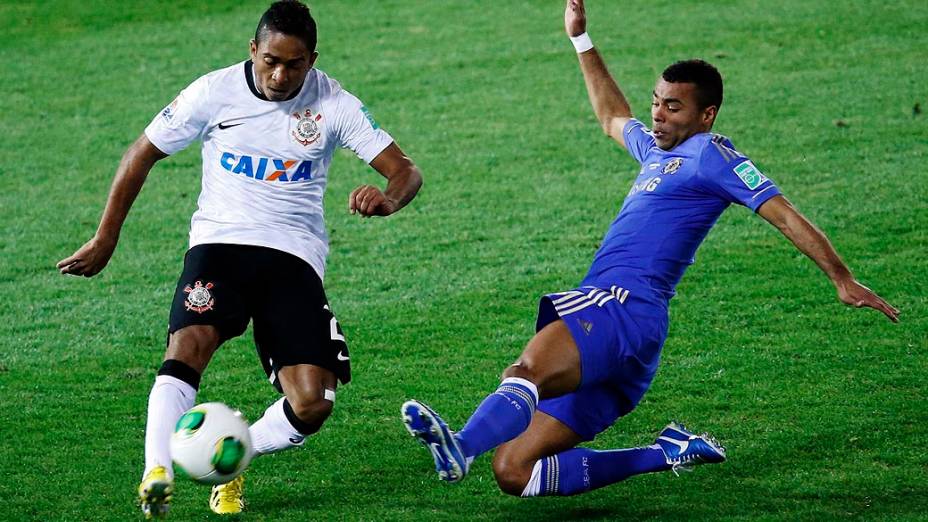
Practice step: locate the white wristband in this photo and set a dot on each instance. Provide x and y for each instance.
(582, 43)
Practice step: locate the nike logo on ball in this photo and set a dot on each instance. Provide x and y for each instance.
(225, 125)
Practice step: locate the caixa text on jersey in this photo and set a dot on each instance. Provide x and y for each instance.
(267, 169)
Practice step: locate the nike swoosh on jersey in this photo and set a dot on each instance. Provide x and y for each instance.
(341, 357)
(225, 125)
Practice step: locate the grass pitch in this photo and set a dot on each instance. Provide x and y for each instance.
(821, 406)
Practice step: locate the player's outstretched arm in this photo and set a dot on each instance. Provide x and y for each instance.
(403, 182)
(608, 102)
(93, 256)
(813, 243)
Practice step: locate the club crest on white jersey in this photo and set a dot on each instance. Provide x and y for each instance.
(304, 128)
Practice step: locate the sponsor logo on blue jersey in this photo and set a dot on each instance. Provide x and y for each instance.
(750, 175)
(267, 169)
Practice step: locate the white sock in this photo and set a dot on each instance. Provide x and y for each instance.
(273, 432)
(533, 487)
(170, 397)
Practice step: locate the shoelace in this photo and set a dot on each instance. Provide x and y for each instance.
(686, 462)
(682, 464)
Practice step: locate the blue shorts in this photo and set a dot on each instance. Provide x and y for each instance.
(619, 334)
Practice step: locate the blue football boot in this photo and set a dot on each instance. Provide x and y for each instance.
(426, 426)
(683, 449)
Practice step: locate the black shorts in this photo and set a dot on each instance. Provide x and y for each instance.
(227, 285)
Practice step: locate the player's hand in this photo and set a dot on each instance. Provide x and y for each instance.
(368, 200)
(89, 259)
(575, 18)
(855, 294)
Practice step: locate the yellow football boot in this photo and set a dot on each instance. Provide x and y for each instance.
(228, 498)
(155, 493)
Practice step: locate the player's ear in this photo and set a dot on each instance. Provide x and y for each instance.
(312, 59)
(253, 47)
(709, 114)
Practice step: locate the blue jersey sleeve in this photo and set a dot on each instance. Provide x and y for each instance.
(733, 176)
(637, 139)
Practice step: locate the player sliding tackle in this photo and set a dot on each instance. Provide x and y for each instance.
(269, 127)
(597, 346)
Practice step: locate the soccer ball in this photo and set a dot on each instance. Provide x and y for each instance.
(211, 443)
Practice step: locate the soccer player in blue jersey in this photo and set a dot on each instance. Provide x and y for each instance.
(596, 348)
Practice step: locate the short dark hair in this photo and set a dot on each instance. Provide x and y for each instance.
(706, 77)
(289, 17)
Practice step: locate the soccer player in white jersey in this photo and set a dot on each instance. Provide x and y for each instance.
(269, 127)
(597, 346)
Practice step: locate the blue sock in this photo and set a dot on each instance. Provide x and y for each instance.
(580, 470)
(501, 417)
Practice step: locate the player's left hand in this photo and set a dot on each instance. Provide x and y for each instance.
(575, 18)
(368, 200)
(855, 294)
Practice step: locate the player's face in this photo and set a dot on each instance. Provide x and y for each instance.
(281, 63)
(675, 114)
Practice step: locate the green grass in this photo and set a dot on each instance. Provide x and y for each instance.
(821, 406)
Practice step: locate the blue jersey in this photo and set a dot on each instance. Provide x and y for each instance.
(677, 197)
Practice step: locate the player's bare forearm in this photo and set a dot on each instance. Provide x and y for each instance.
(92, 257)
(608, 102)
(806, 237)
(403, 183)
(812, 242)
(130, 176)
(403, 187)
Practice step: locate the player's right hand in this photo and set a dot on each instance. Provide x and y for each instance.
(89, 259)
(575, 18)
(368, 200)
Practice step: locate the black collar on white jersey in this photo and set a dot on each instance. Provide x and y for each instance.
(250, 78)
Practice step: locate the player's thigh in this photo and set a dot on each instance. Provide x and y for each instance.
(604, 334)
(209, 304)
(545, 436)
(193, 345)
(294, 326)
(212, 291)
(551, 360)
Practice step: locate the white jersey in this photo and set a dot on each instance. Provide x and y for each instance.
(265, 163)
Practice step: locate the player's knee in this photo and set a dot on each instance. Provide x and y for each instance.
(511, 475)
(524, 368)
(312, 411)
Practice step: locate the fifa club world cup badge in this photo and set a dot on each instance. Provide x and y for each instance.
(305, 130)
(199, 299)
(672, 166)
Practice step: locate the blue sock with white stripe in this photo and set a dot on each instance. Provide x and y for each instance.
(501, 417)
(580, 470)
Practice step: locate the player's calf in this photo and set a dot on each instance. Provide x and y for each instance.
(308, 413)
(281, 428)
